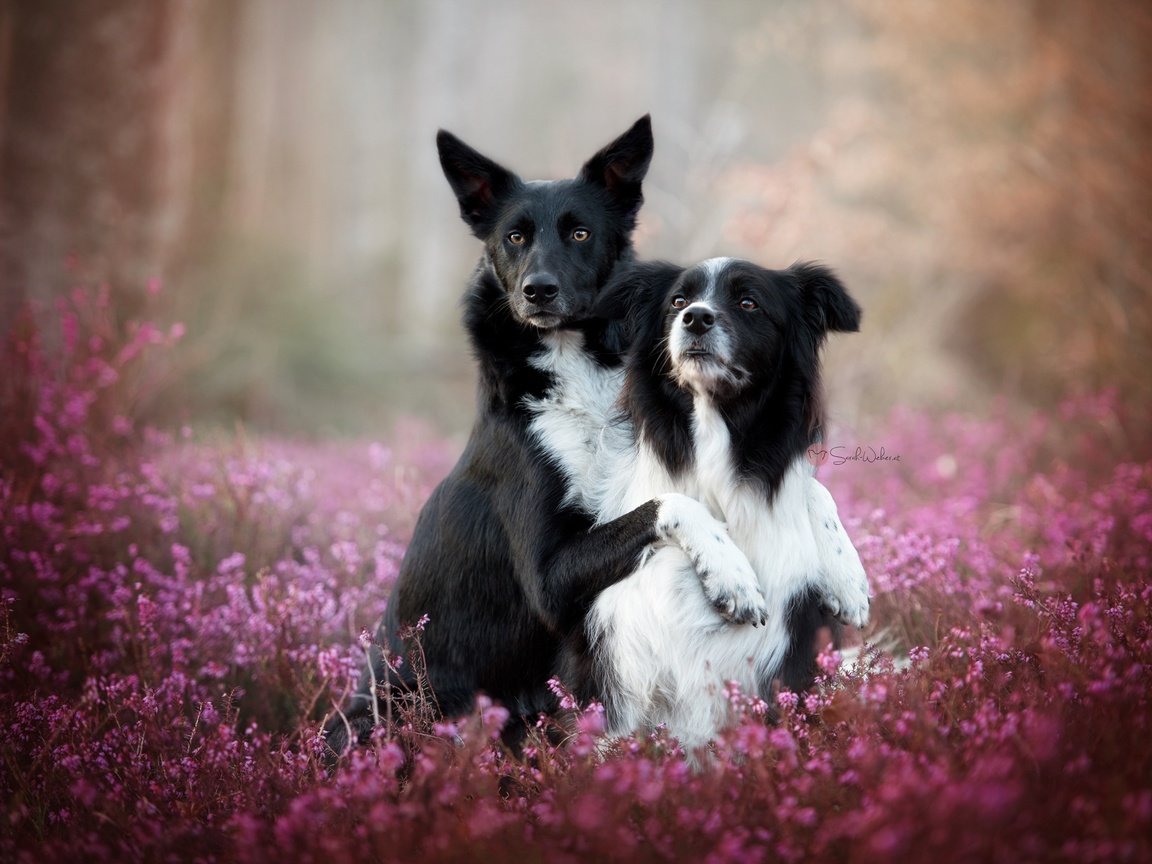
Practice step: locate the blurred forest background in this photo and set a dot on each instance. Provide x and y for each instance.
(978, 172)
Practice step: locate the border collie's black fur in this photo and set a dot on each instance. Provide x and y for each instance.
(721, 401)
(502, 560)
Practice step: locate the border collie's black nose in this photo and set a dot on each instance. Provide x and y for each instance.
(699, 321)
(540, 288)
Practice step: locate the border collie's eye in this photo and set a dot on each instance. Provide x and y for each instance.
(516, 238)
(679, 301)
(748, 304)
(581, 234)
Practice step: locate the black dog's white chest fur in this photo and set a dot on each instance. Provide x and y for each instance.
(581, 402)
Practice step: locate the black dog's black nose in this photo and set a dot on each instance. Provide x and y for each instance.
(699, 321)
(540, 288)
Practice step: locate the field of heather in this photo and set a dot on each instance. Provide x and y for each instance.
(180, 610)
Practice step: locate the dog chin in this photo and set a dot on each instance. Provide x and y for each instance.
(707, 374)
(551, 319)
(544, 320)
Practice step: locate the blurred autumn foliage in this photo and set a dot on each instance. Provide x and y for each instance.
(977, 171)
(984, 171)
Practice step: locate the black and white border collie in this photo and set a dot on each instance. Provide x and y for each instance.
(721, 400)
(503, 561)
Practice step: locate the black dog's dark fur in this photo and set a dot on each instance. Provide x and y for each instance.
(498, 562)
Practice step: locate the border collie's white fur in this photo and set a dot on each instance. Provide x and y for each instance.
(571, 423)
(721, 402)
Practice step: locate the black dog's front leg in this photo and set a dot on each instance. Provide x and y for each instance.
(569, 567)
(572, 573)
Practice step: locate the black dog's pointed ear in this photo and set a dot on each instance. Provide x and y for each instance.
(826, 300)
(479, 183)
(620, 167)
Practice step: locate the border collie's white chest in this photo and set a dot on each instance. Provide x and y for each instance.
(776, 535)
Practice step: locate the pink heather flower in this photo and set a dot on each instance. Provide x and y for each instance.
(233, 565)
(829, 661)
(591, 720)
(567, 700)
(918, 655)
(788, 700)
(447, 729)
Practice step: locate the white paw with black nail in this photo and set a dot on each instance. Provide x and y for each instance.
(728, 580)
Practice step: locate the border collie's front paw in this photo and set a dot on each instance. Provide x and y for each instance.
(844, 584)
(734, 592)
(844, 587)
(728, 580)
(851, 606)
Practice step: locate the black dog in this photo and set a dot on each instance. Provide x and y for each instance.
(502, 561)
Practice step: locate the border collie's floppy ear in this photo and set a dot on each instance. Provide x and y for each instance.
(635, 294)
(620, 167)
(479, 183)
(826, 300)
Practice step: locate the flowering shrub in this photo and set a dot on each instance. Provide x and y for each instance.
(179, 614)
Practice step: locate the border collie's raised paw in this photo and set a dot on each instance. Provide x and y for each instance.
(728, 580)
(737, 601)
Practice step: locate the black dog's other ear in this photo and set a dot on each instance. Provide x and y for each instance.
(634, 295)
(479, 183)
(620, 167)
(826, 300)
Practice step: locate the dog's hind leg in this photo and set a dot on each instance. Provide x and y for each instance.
(810, 627)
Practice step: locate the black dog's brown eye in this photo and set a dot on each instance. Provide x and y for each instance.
(581, 234)
(679, 301)
(748, 304)
(516, 238)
